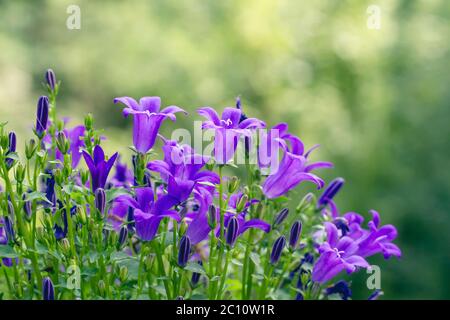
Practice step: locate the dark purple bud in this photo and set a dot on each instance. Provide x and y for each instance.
(27, 207)
(212, 216)
(11, 148)
(100, 200)
(42, 116)
(50, 78)
(281, 216)
(123, 235)
(48, 291)
(299, 295)
(277, 249)
(341, 288)
(294, 236)
(238, 103)
(184, 249)
(9, 229)
(232, 231)
(196, 276)
(330, 192)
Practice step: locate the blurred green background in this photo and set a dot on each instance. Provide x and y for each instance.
(378, 101)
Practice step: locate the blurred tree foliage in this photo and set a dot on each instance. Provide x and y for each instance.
(377, 100)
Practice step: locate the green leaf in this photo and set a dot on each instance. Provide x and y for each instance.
(195, 267)
(36, 195)
(7, 252)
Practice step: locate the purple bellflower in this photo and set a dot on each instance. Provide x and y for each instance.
(148, 213)
(294, 167)
(42, 116)
(227, 130)
(99, 167)
(375, 240)
(336, 255)
(147, 119)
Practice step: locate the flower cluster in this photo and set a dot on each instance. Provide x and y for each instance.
(78, 223)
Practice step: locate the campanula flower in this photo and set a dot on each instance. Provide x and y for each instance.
(123, 176)
(99, 167)
(147, 212)
(227, 130)
(232, 231)
(147, 119)
(336, 255)
(295, 233)
(375, 240)
(294, 167)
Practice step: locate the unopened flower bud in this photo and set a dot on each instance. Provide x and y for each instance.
(295, 233)
(123, 273)
(242, 203)
(184, 249)
(232, 231)
(277, 249)
(233, 184)
(48, 291)
(281, 216)
(42, 116)
(212, 216)
(50, 78)
(30, 148)
(62, 143)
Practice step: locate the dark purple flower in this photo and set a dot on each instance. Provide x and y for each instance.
(147, 119)
(277, 249)
(99, 167)
(232, 231)
(12, 142)
(342, 288)
(228, 130)
(148, 213)
(183, 164)
(184, 249)
(123, 176)
(295, 233)
(42, 115)
(50, 78)
(48, 291)
(336, 255)
(294, 167)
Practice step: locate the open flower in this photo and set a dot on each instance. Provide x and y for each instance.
(147, 119)
(148, 213)
(294, 167)
(99, 167)
(227, 130)
(336, 255)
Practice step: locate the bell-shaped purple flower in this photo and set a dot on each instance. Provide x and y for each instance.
(99, 167)
(42, 115)
(184, 249)
(48, 291)
(336, 255)
(147, 119)
(228, 130)
(294, 167)
(146, 212)
(277, 249)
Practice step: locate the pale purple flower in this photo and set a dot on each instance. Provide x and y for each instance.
(147, 119)
(228, 130)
